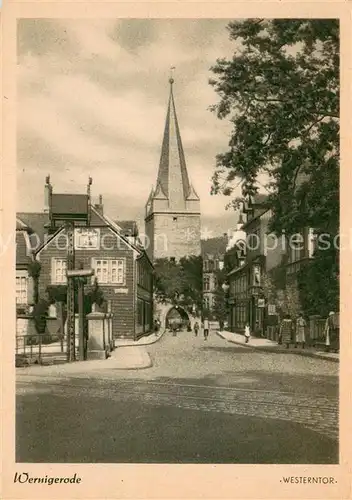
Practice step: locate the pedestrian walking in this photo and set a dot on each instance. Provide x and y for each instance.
(286, 330)
(174, 328)
(196, 328)
(206, 328)
(247, 333)
(221, 325)
(300, 331)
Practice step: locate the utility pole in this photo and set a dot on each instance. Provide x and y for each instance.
(81, 275)
(71, 348)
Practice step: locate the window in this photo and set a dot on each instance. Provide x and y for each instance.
(58, 271)
(206, 302)
(109, 271)
(206, 265)
(21, 289)
(206, 283)
(87, 238)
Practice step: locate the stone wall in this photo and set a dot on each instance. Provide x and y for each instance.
(176, 235)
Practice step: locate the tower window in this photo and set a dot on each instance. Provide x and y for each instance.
(174, 218)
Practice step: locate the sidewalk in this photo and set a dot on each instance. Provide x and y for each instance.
(133, 356)
(150, 339)
(271, 346)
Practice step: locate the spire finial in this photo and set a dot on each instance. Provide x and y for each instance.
(171, 79)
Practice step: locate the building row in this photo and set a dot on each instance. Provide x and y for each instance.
(263, 270)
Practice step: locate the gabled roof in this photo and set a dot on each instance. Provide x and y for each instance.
(128, 227)
(23, 256)
(35, 222)
(69, 204)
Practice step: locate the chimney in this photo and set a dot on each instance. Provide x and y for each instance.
(48, 189)
(99, 207)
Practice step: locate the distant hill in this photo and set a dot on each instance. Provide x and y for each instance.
(214, 246)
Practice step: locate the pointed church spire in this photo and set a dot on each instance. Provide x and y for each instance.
(173, 181)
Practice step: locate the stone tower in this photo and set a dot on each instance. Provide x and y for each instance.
(172, 219)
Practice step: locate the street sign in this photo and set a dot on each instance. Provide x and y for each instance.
(79, 273)
(261, 303)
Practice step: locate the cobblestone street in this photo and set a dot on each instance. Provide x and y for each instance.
(234, 399)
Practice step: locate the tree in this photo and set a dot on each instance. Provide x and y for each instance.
(168, 281)
(179, 282)
(40, 314)
(281, 93)
(95, 295)
(34, 270)
(192, 291)
(321, 274)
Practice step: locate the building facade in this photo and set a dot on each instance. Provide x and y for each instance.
(213, 252)
(172, 217)
(263, 280)
(120, 264)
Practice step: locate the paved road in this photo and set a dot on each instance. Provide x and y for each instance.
(201, 402)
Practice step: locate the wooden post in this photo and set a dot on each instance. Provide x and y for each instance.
(71, 351)
(40, 348)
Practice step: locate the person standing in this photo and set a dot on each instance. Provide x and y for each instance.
(247, 333)
(332, 332)
(334, 327)
(206, 328)
(300, 331)
(286, 330)
(221, 324)
(196, 328)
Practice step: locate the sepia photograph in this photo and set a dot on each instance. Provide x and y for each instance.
(177, 242)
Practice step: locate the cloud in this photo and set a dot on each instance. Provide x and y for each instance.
(92, 101)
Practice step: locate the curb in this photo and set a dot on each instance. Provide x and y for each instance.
(275, 351)
(134, 344)
(144, 367)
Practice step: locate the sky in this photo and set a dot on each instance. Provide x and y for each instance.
(92, 101)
